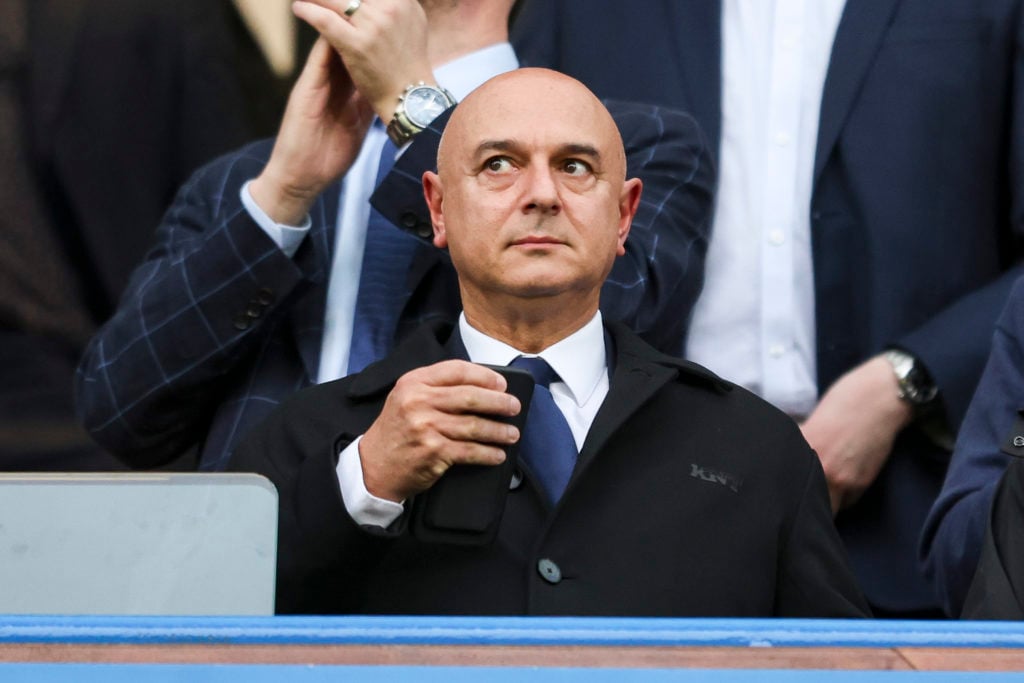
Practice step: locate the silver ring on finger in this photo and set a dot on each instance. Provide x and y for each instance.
(353, 7)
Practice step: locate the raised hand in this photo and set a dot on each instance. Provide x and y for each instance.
(323, 128)
(383, 44)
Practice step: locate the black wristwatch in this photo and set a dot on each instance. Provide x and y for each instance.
(417, 107)
(917, 387)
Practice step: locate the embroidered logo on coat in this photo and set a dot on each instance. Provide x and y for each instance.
(730, 481)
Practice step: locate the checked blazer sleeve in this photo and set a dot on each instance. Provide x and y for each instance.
(654, 286)
(205, 296)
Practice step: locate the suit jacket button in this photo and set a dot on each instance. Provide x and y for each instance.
(264, 297)
(425, 230)
(549, 571)
(516, 481)
(242, 322)
(1018, 441)
(409, 220)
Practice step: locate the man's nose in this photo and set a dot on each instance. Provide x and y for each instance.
(542, 191)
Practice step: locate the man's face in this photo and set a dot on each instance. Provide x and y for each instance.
(531, 199)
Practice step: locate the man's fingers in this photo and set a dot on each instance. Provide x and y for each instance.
(451, 373)
(474, 453)
(477, 429)
(330, 24)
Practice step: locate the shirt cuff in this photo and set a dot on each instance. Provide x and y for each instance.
(363, 507)
(286, 237)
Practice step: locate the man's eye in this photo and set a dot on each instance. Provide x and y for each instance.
(498, 165)
(576, 167)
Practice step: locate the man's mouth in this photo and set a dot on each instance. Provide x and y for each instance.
(536, 240)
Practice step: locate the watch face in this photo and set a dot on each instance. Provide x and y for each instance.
(424, 104)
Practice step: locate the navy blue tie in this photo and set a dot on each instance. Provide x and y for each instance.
(382, 282)
(547, 447)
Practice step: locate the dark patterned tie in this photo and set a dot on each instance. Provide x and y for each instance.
(547, 447)
(382, 283)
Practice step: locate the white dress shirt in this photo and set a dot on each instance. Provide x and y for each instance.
(460, 77)
(754, 321)
(580, 361)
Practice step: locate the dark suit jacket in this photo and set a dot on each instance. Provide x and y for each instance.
(127, 99)
(690, 497)
(121, 101)
(916, 205)
(991, 438)
(219, 325)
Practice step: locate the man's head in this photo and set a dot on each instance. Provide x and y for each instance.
(530, 197)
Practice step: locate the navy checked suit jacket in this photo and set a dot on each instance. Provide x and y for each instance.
(916, 208)
(218, 325)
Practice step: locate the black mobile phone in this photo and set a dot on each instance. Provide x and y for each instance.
(465, 505)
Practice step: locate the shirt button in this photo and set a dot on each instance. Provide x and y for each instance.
(776, 350)
(1018, 441)
(782, 139)
(776, 237)
(549, 571)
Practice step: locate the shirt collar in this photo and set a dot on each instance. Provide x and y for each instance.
(579, 359)
(465, 74)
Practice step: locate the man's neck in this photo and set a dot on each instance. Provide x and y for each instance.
(459, 28)
(529, 327)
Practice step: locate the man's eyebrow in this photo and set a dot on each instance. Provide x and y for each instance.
(496, 146)
(568, 149)
(582, 150)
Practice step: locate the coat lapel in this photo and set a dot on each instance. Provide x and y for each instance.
(857, 40)
(700, 58)
(314, 257)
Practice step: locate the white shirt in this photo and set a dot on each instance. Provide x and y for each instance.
(754, 321)
(460, 77)
(580, 361)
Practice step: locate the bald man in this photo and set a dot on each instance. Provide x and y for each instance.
(687, 495)
(271, 272)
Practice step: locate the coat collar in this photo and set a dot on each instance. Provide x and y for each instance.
(640, 372)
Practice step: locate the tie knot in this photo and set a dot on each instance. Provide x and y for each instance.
(543, 374)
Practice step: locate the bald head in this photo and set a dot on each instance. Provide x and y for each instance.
(531, 201)
(549, 98)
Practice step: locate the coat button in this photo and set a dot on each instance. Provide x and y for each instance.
(409, 220)
(549, 571)
(516, 481)
(1018, 441)
(242, 322)
(425, 230)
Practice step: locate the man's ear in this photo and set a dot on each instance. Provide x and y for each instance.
(629, 202)
(433, 192)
